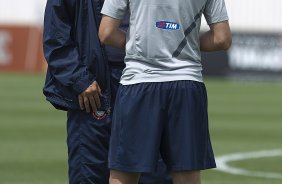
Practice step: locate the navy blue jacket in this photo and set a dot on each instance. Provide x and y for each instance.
(73, 51)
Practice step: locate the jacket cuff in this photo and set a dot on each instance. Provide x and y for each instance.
(82, 84)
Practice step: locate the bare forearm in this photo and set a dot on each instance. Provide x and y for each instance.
(206, 42)
(209, 42)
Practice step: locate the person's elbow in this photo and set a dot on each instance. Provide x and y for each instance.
(105, 34)
(222, 36)
(224, 41)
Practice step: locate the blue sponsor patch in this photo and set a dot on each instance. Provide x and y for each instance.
(167, 25)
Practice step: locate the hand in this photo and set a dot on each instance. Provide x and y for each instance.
(90, 98)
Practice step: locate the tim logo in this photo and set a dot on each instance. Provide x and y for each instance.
(167, 25)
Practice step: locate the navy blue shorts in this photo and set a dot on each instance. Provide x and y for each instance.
(169, 118)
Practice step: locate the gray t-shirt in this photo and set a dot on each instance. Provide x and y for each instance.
(163, 37)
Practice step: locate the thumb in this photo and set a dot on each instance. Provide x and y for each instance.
(99, 90)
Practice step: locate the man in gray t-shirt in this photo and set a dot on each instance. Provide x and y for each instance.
(163, 40)
(162, 78)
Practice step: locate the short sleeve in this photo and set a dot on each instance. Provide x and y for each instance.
(115, 8)
(215, 11)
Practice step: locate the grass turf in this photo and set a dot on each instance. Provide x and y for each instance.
(244, 116)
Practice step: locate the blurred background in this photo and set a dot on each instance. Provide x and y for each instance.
(244, 87)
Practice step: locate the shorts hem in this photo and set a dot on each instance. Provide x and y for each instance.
(190, 168)
(144, 169)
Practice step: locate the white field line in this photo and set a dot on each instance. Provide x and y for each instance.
(222, 163)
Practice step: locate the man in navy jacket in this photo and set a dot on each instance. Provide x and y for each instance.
(80, 81)
(76, 65)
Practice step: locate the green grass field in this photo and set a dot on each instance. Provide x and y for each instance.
(244, 117)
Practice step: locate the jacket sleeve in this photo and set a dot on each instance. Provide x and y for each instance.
(60, 49)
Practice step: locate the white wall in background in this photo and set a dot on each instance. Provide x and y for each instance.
(245, 15)
(254, 15)
(22, 11)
